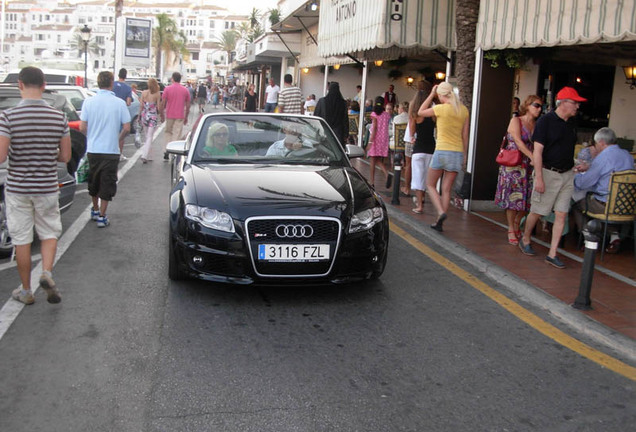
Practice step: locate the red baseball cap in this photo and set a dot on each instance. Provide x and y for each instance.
(569, 93)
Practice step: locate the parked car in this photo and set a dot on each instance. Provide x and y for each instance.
(142, 84)
(57, 76)
(76, 95)
(248, 216)
(10, 97)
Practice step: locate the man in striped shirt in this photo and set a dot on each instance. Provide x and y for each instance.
(290, 99)
(35, 136)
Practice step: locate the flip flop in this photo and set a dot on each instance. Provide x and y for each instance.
(417, 211)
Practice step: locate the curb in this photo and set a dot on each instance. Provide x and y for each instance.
(599, 333)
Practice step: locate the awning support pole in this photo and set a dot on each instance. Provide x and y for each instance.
(284, 43)
(363, 95)
(472, 139)
(316, 42)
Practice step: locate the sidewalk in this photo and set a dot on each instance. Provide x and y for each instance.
(613, 300)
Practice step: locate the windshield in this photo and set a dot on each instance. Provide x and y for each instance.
(74, 96)
(264, 139)
(58, 102)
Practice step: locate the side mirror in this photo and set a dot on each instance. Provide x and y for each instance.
(354, 151)
(177, 148)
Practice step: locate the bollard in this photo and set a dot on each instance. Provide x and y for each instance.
(397, 172)
(590, 233)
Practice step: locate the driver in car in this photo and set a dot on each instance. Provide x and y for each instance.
(293, 141)
(217, 142)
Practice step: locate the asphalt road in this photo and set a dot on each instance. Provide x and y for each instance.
(418, 350)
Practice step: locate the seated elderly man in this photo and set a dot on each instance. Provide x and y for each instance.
(293, 141)
(596, 177)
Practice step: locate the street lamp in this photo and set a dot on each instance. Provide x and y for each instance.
(85, 33)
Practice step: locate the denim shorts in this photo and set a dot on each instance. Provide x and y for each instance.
(447, 160)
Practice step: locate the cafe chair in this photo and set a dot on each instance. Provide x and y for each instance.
(399, 130)
(353, 127)
(620, 207)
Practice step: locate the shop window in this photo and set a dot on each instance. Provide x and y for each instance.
(593, 82)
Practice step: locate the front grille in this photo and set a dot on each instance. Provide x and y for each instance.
(262, 230)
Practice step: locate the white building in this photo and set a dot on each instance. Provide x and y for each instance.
(39, 29)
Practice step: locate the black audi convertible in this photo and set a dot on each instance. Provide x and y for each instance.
(272, 199)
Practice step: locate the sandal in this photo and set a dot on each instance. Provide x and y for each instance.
(512, 238)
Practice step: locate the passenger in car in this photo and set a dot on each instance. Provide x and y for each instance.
(293, 141)
(217, 142)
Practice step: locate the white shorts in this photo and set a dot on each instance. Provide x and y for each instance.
(419, 170)
(24, 212)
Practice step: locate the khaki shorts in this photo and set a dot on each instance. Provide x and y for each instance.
(557, 195)
(24, 212)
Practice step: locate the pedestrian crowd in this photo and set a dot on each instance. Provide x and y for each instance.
(538, 178)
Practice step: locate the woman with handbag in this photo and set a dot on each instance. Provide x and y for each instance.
(514, 185)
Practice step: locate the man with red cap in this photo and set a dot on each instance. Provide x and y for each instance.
(554, 140)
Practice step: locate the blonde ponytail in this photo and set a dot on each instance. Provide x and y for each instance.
(446, 89)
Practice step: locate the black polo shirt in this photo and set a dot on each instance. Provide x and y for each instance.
(558, 138)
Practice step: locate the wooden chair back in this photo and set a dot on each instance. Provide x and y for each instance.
(621, 200)
(353, 124)
(399, 130)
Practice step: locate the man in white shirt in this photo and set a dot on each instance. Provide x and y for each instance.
(310, 104)
(293, 141)
(271, 93)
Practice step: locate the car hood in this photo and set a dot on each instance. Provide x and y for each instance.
(256, 190)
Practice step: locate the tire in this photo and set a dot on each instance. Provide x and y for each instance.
(174, 269)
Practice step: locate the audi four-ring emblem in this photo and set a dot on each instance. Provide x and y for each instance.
(294, 231)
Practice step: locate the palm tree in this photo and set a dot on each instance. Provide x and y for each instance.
(169, 41)
(77, 43)
(274, 16)
(255, 16)
(227, 42)
(466, 16)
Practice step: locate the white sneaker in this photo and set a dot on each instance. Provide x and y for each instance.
(27, 298)
(48, 285)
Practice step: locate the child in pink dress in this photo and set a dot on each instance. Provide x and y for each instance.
(378, 147)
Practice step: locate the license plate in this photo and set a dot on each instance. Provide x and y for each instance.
(293, 253)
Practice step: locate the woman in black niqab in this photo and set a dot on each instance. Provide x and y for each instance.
(333, 108)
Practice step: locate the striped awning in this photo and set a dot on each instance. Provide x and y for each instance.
(366, 26)
(545, 23)
(309, 51)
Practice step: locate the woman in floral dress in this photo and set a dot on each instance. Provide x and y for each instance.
(148, 114)
(514, 185)
(378, 147)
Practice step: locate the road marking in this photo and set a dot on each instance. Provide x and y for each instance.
(520, 312)
(11, 309)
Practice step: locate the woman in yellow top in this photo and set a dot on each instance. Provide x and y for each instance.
(451, 150)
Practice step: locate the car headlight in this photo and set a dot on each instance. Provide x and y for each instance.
(366, 219)
(210, 218)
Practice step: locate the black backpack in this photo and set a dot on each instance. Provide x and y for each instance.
(202, 92)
